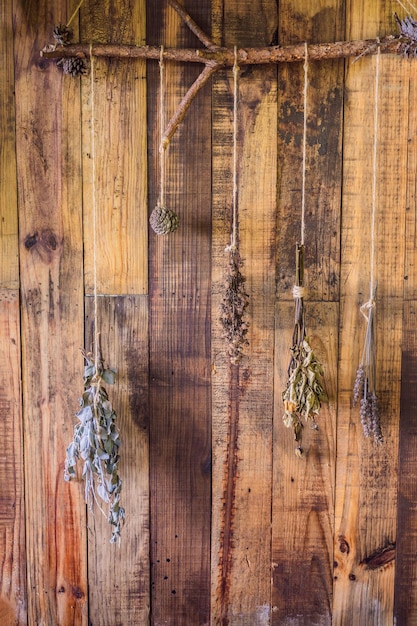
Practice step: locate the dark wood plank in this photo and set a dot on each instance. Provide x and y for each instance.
(180, 414)
(119, 575)
(303, 491)
(243, 395)
(50, 201)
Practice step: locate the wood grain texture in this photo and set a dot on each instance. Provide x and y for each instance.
(119, 575)
(120, 152)
(9, 262)
(48, 159)
(405, 599)
(242, 395)
(303, 489)
(13, 607)
(305, 21)
(366, 474)
(180, 412)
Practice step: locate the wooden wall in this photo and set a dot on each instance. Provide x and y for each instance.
(224, 524)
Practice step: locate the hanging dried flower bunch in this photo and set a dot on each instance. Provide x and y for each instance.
(304, 391)
(233, 307)
(96, 442)
(365, 383)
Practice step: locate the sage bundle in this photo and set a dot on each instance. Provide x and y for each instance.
(304, 391)
(96, 443)
(365, 382)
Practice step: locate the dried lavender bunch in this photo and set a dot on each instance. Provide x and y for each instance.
(364, 388)
(304, 391)
(96, 441)
(408, 31)
(233, 307)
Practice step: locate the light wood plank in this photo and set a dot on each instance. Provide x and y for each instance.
(120, 129)
(242, 396)
(119, 575)
(366, 475)
(13, 605)
(9, 262)
(180, 414)
(48, 158)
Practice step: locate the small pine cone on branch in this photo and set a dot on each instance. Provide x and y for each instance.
(73, 66)
(62, 34)
(163, 221)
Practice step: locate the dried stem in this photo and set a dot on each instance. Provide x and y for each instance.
(195, 28)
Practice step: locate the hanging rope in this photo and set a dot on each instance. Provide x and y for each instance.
(236, 68)
(78, 7)
(303, 183)
(162, 220)
(94, 200)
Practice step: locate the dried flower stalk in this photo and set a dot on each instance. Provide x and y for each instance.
(233, 307)
(365, 382)
(304, 391)
(96, 441)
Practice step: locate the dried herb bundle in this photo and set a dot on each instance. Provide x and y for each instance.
(233, 307)
(96, 441)
(408, 30)
(304, 391)
(365, 383)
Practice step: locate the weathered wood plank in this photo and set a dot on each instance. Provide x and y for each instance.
(303, 490)
(303, 496)
(304, 21)
(9, 262)
(405, 599)
(366, 474)
(119, 576)
(180, 420)
(13, 607)
(119, 152)
(48, 159)
(242, 396)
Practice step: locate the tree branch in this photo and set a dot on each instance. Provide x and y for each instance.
(195, 28)
(224, 57)
(185, 103)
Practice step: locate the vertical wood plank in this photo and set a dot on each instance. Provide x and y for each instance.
(13, 606)
(120, 152)
(242, 395)
(366, 474)
(48, 159)
(405, 599)
(303, 489)
(119, 575)
(180, 420)
(9, 262)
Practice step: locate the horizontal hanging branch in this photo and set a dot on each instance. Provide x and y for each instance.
(220, 57)
(71, 56)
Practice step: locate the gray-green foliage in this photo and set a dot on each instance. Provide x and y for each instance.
(96, 442)
(304, 391)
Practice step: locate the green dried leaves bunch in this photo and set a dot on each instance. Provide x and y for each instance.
(233, 308)
(304, 391)
(365, 382)
(96, 442)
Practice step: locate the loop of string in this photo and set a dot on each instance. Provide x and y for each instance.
(161, 202)
(94, 201)
(233, 241)
(303, 183)
(298, 291)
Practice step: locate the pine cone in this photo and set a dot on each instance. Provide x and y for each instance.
(73, 66)
(163, 221)
(62, 34)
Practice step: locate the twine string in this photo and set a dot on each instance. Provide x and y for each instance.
(234, 235)
(78, 7)
(94, 201)
(303, 182)
(162, 148)
(374, 177)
